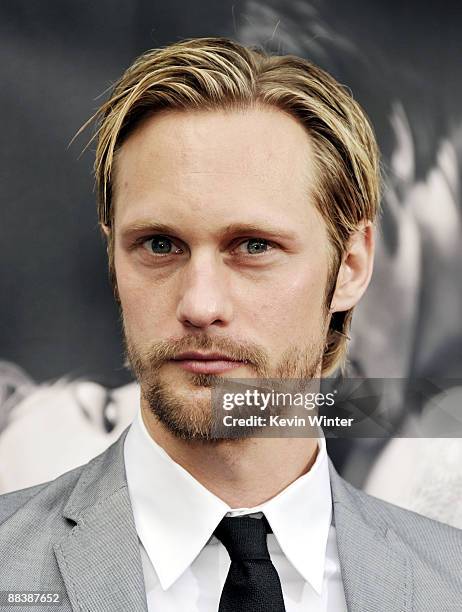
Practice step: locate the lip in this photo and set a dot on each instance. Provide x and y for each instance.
(203, 356)
(206, 363)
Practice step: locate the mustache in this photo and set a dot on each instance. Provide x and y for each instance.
(164, 350)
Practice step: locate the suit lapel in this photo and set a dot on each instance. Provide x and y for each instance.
(99, 559)
(376, 576)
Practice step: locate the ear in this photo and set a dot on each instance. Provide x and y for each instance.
(105, 229)
(356, 268)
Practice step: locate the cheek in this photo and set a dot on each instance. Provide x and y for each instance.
(289, 305)
(143, 309)
(129, 285)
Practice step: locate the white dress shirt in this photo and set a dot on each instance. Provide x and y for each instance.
(185, 565)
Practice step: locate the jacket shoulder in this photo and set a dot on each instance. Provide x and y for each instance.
(35, 520)
(432, 542)
(10, 502)
(31, 522)
(44, 498)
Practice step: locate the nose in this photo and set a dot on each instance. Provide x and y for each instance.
(204, 293)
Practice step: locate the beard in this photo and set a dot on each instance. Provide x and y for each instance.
(186, 412)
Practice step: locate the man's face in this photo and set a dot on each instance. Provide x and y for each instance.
(218, 248)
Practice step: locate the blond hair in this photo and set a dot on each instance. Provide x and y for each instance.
(218, 73)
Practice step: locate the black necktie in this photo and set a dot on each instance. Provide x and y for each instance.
(252, 584)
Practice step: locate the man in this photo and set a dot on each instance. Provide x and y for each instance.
(238, 194)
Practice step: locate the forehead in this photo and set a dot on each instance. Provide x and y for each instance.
(223, 162)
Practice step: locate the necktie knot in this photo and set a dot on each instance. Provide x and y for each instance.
(244, 537)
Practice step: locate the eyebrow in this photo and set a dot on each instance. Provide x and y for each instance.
(233, 229)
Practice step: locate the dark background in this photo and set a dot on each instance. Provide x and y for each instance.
(402, 61)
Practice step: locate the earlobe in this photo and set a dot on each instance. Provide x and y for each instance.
(355, 270)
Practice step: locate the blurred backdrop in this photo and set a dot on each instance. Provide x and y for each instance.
(402, 61)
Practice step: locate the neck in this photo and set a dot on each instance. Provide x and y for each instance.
(243, 473)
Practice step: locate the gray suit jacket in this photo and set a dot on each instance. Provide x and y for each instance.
(76, 535)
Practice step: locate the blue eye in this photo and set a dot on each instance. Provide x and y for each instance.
(160, 245)
(256, 246)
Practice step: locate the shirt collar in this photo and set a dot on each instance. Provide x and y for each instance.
(175, 515)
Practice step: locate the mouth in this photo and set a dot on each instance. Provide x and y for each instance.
(206, 363)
